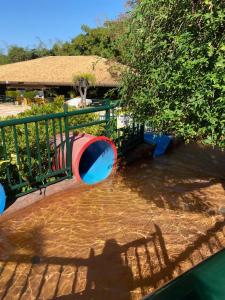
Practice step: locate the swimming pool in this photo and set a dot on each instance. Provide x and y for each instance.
(120, 239)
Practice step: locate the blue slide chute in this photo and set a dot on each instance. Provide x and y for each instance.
(160, 141)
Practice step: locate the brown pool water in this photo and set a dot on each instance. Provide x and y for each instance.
(122, 238)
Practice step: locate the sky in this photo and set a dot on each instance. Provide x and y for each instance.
(26, 22)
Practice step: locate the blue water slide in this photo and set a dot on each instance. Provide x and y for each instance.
(160, 141)
(97, 162)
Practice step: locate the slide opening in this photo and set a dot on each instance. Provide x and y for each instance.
(97, 162)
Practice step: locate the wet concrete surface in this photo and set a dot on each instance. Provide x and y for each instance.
(120, 239)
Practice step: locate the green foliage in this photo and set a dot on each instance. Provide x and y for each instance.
(21, 96)
(13, 94)
(39, 51)
(3, 59)
(17, 54)
(10, 164)
(96, 41)
(83, 81)
(30, 94)
(176, 79)
(89, 78)
(3, 162)
(45, 109)
(92, 42)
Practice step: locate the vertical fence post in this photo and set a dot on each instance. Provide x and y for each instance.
(142, 131)
(107, 118)
(114, 124)
(5, 154)
(68, 146)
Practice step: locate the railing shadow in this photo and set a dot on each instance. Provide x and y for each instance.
(106, 276)
(181, 180)
(119, 271)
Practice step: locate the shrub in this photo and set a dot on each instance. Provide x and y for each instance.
(176, 78)
(13, 94)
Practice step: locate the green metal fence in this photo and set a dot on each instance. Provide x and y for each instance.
(28, 145)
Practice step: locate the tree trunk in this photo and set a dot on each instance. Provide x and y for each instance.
(82, 96)
(83, 86)
(85, 96)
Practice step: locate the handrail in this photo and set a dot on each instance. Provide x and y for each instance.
(39, 118)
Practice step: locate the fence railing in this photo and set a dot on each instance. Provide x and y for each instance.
(28, 145)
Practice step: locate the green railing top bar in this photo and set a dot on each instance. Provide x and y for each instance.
(58, 115)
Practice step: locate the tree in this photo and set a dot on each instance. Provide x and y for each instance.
(176, 79)
(17, 54)
(101, 41)
(3, 59)
(92, 42)
(83, 82)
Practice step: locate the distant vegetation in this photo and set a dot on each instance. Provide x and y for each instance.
(101, 41)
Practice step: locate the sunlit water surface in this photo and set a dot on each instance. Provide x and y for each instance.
(122, 238)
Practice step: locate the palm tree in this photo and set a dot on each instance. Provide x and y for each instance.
(83, 82)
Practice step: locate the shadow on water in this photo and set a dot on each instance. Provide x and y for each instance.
(177, 180)
(141, 264)
(31, 241)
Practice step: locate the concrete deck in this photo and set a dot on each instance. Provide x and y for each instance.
(121, 239)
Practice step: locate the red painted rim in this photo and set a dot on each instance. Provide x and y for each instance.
(85, 146)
